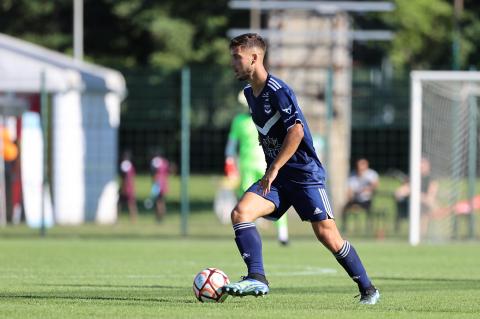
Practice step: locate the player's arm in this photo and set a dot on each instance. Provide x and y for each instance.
(289, 147)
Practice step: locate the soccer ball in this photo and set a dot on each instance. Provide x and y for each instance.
(207, 285)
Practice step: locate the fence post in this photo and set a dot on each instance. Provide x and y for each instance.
(185, 149)
(44, 121)
(472, 160)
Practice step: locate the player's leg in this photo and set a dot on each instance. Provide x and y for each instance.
(346, 255)
(282, 230)
(250, 207)
(248, 177)
(313, 205)
(281, 224)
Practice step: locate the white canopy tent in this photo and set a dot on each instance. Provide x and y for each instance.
(85, 114)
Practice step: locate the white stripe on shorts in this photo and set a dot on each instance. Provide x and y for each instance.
(326, 203)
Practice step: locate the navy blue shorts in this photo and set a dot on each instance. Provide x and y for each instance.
(310, 201)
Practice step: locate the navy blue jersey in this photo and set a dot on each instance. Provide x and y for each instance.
(274, 111)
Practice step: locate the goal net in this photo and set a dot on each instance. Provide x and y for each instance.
(444, 155)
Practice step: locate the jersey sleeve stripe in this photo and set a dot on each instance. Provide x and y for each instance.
(273, 80)
(272, 87)
(274, 84)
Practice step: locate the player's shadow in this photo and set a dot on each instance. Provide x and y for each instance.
(109, 286)
(76, 296)
(313, 290)
(434, 280)
(427, 284)
(80, 294)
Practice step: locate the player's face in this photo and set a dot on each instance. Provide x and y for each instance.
(242, 63)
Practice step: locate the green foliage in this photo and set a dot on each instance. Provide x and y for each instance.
(425, 31)
(470, 30)
(169, 34)
(173, 42)
(126, 33)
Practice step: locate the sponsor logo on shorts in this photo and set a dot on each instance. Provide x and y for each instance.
(317, 211)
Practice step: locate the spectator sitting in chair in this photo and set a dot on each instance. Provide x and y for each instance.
(362, 184)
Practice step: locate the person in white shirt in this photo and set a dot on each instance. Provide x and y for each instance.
(362, 185)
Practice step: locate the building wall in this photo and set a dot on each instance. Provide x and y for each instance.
(307, 48)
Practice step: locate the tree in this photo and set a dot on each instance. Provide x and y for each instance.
(126, 33)
(424, 31)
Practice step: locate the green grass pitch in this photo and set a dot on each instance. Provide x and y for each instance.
(146, 271)
(152, 278)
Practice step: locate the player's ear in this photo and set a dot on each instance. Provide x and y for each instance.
(254, 58)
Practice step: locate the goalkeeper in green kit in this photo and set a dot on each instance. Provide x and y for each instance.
(244, 154)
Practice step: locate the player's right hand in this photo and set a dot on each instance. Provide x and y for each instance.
(267, 180)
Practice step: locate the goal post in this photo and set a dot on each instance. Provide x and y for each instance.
(444, 131)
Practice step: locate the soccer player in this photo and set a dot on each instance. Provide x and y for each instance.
(243, 150)
(294, 177)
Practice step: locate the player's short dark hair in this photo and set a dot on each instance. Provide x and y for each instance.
(248, 40)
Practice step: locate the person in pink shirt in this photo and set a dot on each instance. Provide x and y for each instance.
(127, 187)
(160, 169)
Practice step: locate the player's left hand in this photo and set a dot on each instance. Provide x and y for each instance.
(267, 180)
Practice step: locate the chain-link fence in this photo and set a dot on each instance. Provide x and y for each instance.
(380, 119)
(150, 120)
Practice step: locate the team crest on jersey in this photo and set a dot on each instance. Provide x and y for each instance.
(267, 108)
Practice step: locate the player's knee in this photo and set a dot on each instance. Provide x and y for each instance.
(328, 235)
(330, 240)
(240, 214)
(323, 235)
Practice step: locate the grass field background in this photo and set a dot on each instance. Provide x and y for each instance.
(146, 271)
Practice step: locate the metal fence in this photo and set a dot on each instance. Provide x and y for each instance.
(380, 119)
(150, 119)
